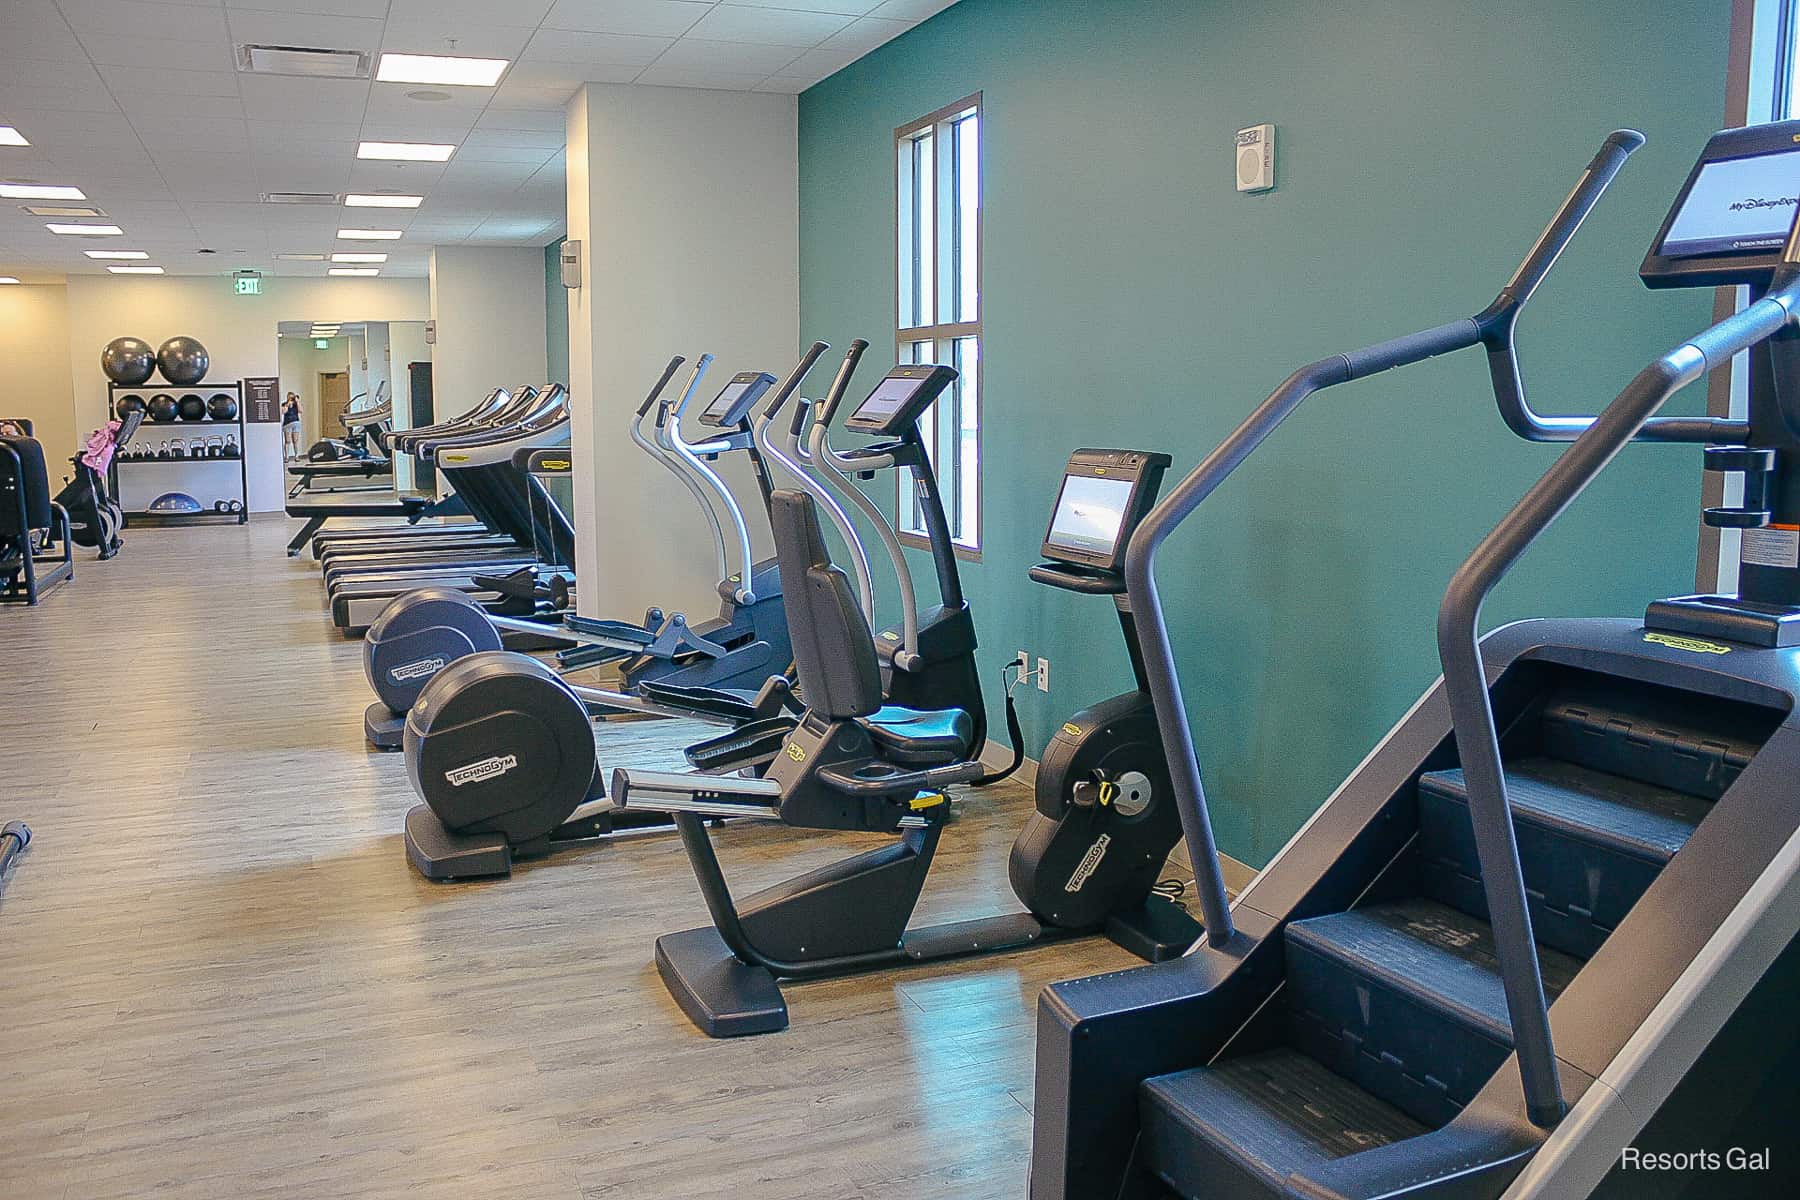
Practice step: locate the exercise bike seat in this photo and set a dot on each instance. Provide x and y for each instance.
(920, 737)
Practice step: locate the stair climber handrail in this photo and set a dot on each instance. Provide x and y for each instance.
(1179, 504)
(1465, 682)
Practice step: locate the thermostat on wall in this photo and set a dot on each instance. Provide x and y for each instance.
(431, 333)
(571, 264)
(1256, 158)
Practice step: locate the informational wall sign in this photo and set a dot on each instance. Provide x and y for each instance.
(262, 400)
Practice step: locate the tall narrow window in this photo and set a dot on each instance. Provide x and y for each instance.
(938, 309)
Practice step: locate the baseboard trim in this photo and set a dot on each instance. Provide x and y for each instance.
(995, 755)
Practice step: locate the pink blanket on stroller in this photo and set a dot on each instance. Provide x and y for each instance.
(98, 453)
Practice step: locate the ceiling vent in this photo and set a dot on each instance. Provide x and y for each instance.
(304, 60)
(300, 197)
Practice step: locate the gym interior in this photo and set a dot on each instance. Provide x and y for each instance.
(756, 599)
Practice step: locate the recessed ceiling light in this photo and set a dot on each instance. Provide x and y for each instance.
(301, 257)
(382, 201)
(136, 270)
(38, 191)
(369, 235)
(12, 137)
(404, 151)
(353, 271)
(8, 279)
(84, 230)
(439, 68)
(115, 254)
(61, 210)
(359, 258)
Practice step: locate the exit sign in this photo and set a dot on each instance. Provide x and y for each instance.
(249, 285)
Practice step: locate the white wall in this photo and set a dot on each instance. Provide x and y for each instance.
(488, 302)
(34, 372)
(238, 332)
(687, 205)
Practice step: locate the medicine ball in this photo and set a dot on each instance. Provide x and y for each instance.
(128, 360)
(193, 408)
(182, 360)
(128, 405)
(221, 407)
(163, 408)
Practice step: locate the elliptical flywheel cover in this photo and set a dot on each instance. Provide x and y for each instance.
(416, 636)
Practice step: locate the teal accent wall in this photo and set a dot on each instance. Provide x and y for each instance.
(1133, 298)
(556, 314)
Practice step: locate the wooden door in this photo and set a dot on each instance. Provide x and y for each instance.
(334, 398)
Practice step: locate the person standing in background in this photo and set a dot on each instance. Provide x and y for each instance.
(290, 426)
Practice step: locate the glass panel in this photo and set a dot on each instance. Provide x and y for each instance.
(905, 224)
(924, 245)
(968, 218)
(911, 518)
(967, 436)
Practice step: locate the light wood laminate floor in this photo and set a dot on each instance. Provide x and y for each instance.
(219, 978)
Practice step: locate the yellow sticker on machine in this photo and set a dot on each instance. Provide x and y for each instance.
(1693, 645)
(1072, 729)
(795, 752)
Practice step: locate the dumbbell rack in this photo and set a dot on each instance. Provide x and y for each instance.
(146, 432)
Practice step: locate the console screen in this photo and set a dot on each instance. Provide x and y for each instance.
(1737, 204)
(720, 408)
(1089, 513)
(889, 396)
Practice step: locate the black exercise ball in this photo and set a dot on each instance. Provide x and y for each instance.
(128, 405)
(192, 408)
(163, 408)
(128, 360)
(221, 407)
(182, 360)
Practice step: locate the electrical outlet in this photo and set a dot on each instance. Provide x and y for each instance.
(1023, 659)
(1043, 675)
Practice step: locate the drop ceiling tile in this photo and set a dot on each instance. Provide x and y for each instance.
(389, 104)
(524, 13)
(472, 41)
(151, 105)
(510, 95)
(817, 64)
(726, 81)
(159, 81)
(276, 133)
(657, 18)
(140, 19)
(304, 29)
(767, 26)
(571, 75)
(852, 8)
(508, 145)
(785, 85)
(273, 97)
(911, 10)
(548, 123)
(329, 8)
(38, 72)
(173, 54)
(413, 178)
(737, 58)
(866, 34)
(205, 135)
(610, 49)
(12, 99)
(35, 29)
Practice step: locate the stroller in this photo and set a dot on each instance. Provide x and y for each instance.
(95, 518)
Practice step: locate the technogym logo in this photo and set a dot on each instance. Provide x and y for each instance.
(479, 772)
(1090, 862)
(422, 668)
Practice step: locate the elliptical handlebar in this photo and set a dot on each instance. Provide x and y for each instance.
(794, 379)
(1492, 327)
(840, 384)
(661, 383)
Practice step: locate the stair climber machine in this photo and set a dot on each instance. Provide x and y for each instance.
(1499, 946)
(500, 747)
(423, 632)
(360, 586)
(1085, 863)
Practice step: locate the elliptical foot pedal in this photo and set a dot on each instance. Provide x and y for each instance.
(1156, 931)
(722, 995)
(436, 853)
(385, 729)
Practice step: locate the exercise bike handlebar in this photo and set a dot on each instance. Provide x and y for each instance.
(1206, 478)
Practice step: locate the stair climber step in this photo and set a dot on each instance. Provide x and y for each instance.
(1239, 1128)
(1405, 999)
(1591, 844)
(1691, 744)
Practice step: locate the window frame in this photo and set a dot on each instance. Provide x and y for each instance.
(940, 124)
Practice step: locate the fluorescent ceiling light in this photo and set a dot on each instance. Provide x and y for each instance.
(353, 271)
(61, 210)
(301, 257)
(115, 254)
(438, 68)
(38, 191)
(136, 270)
(9, 279)
(359, 201)
(405, 151)
(12, 137)
(359, 258)
(369, 235)
(84, 230)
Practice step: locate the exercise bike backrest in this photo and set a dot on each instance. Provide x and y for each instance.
(834, 651)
